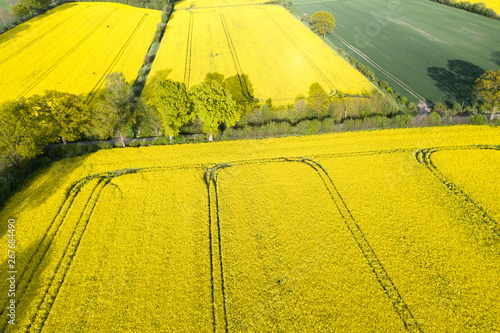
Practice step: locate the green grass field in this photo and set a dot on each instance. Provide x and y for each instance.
(423, 49)
(4, 3)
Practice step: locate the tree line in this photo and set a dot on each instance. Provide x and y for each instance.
(478, 8)
(29, 124)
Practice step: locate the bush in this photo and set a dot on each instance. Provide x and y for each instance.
(434, 119)
(153, 49)
(284, 128)
(328, 125)
(478, 119)
(143, 142)
(104, 145)
(457, 108)
(270, 129)
(399, 121)
(134, 143)
(383, 85)
(160, 141)
(439, 108)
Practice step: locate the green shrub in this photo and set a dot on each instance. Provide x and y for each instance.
(434, 118)
(478, 119)
(402, 120)
(104, 145)
(159, 141)
(133, 143)
(440, 108)
(383, 85)
(143, 142)
(328, 125)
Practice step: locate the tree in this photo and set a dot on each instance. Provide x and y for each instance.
(440, 108)
(66, 113)
(20, 11)
(6, 16)
(174, 105)
(322, 23)
(145, 119)
(22, 134)
(318, 99)
(114, 111)
(214, 106)
(487, 88)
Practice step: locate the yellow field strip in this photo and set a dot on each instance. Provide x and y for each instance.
(76, 59)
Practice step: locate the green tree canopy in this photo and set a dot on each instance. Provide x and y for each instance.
(22, 133)
(487, 88)
(318, 99)
(114, 111)
(322, 23)
(174, 105)
(65, 113)
(20, 11)
(214, 106)
(145, 119)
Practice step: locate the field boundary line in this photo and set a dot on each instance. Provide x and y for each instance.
(99, 83)
(38, 38)
(304, 54)
(239, 70)
(189, 49)
(424, 157)
(66, 55)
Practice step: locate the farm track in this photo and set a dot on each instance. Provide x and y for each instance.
(99, 83)
(62, 267)
(42, 314)
(36, 39)
(380, 68)
(43, 246)
(378, 269)
(189, 50)
(66, 55)
(424, 157)
(241, 77)
(304, 54)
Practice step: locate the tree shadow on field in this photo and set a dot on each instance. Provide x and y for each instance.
(13, 33)
(457, 81)
(19, 29)
(495, 56)
(38, 187)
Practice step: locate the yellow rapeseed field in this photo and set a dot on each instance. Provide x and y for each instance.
(71, 48)
(387, 230)
(493, 4)
(262, 49)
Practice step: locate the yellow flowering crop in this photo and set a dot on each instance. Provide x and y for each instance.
(270, 53)
(392, 230)
(493, 4)
(72, 47)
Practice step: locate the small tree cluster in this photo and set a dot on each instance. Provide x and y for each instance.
(209, 101)
(322, 23)
(28, 125)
